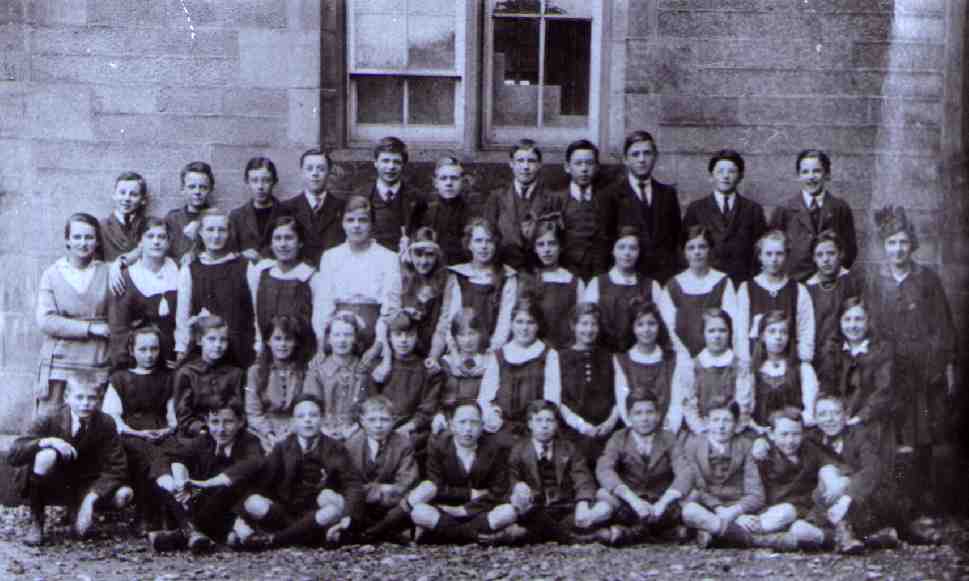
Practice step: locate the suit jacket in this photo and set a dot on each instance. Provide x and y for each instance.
(742, 485)
(734, 236)
(621, 463)
(795, 219)
(786, 481)
(395, 461)
(278, 474)
(100, 458)
(579, 255)
(177, 220)
(506, 212)
(198, 455)
(858, 459)
(489, 471)
(659, 242)
(324, 229)
(411, 209)
(450, 235)
(874, 400)
(117, 239)
(244, 233)
(574, 479)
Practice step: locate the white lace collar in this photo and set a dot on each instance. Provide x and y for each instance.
(707, 359)
(151, 283)
(514, 353)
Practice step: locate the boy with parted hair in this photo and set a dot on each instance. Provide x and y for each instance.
(397, 208)
(316, 208)
(513, 209)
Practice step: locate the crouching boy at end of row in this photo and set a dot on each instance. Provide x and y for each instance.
(72, 456)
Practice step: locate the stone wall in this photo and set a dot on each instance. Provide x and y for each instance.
(91, 88)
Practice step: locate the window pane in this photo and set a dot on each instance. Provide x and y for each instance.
(437, 7)
(569, 7)
(515, 72)
(517, 6)
(567, 64)
(431, 101)
(378, 41)
(380, 100)
(378, 6)
(431, 43)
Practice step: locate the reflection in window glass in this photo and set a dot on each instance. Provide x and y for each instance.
(430, 43)
(380, 100)
(581, 8)
(437, 7)
(430, 101)
(517, 7)
(374, 48)
(567, 64)
(515, 76)
(378, 6)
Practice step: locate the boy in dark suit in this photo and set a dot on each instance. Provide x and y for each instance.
(649, 206)
(121, 231)
(308, 487)
(385, 459)
(587, 214)
(74, 457)
(553, 492)
(317, 209)
(636, 471)
(397, 208)
(513, 209)
(466, 477)
(812, 211)
(197, 182)
(248, 222)
(736, 222)
(718, 480)
(200, 480)
(451, 208)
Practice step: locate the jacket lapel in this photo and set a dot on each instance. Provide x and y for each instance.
(531, 458)
(660, 446)
(736, 456)
(562, 459)
(802, 214)
(704, 451)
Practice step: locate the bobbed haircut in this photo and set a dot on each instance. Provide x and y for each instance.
(284, 222)
(260, 163)
(88, 219)
(698, 231)
(827, 236)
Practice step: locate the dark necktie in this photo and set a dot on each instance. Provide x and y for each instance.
(642, 192)
(82, 429)
(544, 454)
(815, 209)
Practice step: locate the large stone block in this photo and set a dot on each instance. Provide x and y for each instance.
(803, 111)
(906, 112)
(255, 102)
(125, 99)
(251, 13)
(735, 24)
(284, 59)
(189, 129)
(16, 156)
(916, 140)
(58, 12)
(142, 42)
(11, 13)
(17, 406)
(304, 116)
(175, 71)
(870, 27)
(12, 38)
(698, 110)
(897, 55)
(115, 157)
(60, 112)
(191, 100)
(307, 14)
(14, 67)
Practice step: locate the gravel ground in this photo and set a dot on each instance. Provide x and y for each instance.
(115, 555)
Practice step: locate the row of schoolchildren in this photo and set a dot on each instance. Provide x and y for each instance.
(363, 277)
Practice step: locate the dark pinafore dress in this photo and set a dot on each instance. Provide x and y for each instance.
(422, 298)
(588, 389)
(485, 299)
(714, 385)
(462, 382)
(655, 378)
(520, 384)
(275, 296)
(556, 301)
(223, 290)
(689, 310)
(616, 304)
(774, 393)
(763, 301)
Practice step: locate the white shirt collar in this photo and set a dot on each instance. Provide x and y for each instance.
(373, 447)
(647, 188)
(466, 269)
(693, 284)
(75, 423)
(386, 191)
(854, 351)
(557, 275)
(576, 192)
(301, 272)
(226, 449)
(806, 197)
(466, 456)
(718, 448)
(516, 354)
(617, 277)
(538, 447)
(529, 190)
(816, 277)
(314, 200)
(761, 280)
(307, 445)
(647, 358)
(643, 443)
(204, 258)
(708, 359)
(722, 199)
(769, 369)
(119, 216)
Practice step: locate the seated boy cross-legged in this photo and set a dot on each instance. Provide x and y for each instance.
(467, 475)
(636, 474)
(719, 480)
(308, 488)
(74, 457)
(553, 491)
(385, 459)
(201, 480)
(789, 469)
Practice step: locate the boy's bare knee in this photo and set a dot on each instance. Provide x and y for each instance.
(44, 461)
(328, 515)
(328, 498)
(806, 532)
(425, 515)
(122, 496)
(166, 483)
(256, 506)
(502, 516)
(422, 493)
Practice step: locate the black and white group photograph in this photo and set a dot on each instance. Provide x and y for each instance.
(484, 289)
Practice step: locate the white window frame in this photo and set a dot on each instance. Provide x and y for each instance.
(366, 133)
(494, 135)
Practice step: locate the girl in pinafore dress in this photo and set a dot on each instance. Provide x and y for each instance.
(556, 289)
(517, 374)
(141, 402)
(653, 365)
(423, 280)
(693, 291)
(772, 290)
(150, 296)
(616, 290)
(214, 282)
(719, 375)
(588, 398)
(206, 378)
(830, 287)
(780, 378)
(283, 284)
(337, 376)
(484, 284)
(72, 311)
(463, 368)
(912, 309)
(277, 377)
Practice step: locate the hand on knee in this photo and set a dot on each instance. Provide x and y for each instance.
(256, 506)
(423, 493)
(122, 497)
(806, 533)
(166, 483)
(328, 498)
(44, 461)
(425, 515)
